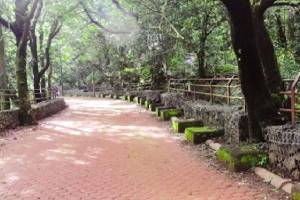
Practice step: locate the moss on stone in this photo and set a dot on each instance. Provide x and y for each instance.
(142, 101)
(179, 125)
(102, 95)
(130, 98)
(296, 196)
(168, 113)
(147, 103)
(198, 135)
(242, 157)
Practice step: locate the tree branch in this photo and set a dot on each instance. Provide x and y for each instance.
(92, 20)
(124, 11)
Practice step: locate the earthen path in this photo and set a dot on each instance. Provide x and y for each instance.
(105, 150)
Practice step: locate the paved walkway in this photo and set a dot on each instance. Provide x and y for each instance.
(105, 150)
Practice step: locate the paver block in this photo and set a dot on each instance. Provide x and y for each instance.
(198, 135)
(166, 115)
(179, 125)
(242, 157)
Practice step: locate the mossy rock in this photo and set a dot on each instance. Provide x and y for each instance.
(158, 109)
(179, 125)
(142, 101)
(296, 192)
(242, 157)
(166, 115)
(102, 95)
(198, 135)
(130, 98)
(147, 103)
(296, 196)
(152, 107)
(116, 96)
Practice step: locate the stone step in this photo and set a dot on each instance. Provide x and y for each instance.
(198, 135)
(179, 125)
(167, 114)
(242, 157)
(147, 104)
(130, 98)
(142, 101)
(102, 95)
(153, 106)
(116, 96)
(161, 108)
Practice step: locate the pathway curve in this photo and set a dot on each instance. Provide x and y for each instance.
(105, 150)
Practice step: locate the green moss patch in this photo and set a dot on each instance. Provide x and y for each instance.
(130, 98)
(242, 157)
(161, 108)
(179, 125)
(166, 115)
(198, 135)
(147, 103)
(152, 106)
(142, 101)
(102, 95)
(296, 196)
(116, 96)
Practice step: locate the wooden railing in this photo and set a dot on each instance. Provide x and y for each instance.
(291, 91)
(9, 98)
(209, 88)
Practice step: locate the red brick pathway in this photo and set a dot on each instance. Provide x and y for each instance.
(105, 150)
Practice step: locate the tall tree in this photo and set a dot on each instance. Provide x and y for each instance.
(3, 77)
(21, 27)
(258, 99)
(265, 46)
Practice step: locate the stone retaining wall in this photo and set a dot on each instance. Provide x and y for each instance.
(48, 108)
(284, 150)
(231, 119)
(10, 119)
(176, 100)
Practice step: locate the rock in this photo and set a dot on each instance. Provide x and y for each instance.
(242, 157)
(198, 135)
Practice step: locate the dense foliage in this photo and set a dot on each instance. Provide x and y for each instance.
(80, 43)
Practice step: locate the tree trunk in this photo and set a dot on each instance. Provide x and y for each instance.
(25, 116)
(266, 51)
(5, 105)
(201, 58)
(43, 87)
(50, 80)
(257, 97)
(281, 36)
(35, 66)
(158, 79)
